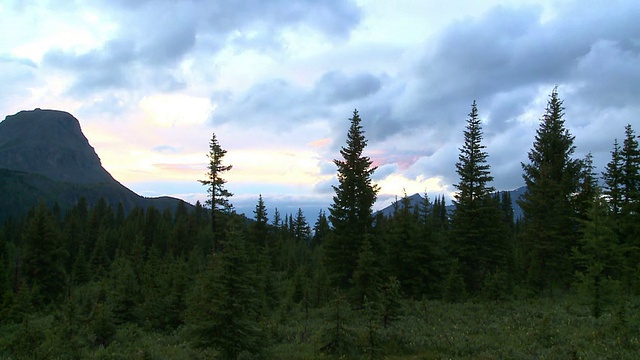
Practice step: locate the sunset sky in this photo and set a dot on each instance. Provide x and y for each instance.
(277, 81)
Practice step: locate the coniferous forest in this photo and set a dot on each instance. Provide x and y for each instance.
(204, 282)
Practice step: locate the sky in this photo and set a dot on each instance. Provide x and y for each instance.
(151, 80)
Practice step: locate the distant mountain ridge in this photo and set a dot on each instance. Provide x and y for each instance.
(44, 155)
(417, 199)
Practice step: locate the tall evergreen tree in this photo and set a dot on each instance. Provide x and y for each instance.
(588, 186)
(630, 154)
(259, 228)
(403, 236)
(218, 195)
(630, 207)
(350, 214)
(613, 180)
(427, 253)
(475, 221)
(301, 229)
(552, 179)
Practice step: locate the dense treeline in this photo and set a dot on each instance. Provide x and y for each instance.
(207, 282)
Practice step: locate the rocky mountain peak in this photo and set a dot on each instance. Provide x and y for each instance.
(49, 143)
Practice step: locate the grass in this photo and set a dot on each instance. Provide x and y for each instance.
(560, 328)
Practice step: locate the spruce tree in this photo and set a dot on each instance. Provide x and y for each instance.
(429, 251)
(587, 188)
(552, 180)
(224, 310)
(365, 278)
(321, 229)
(350, 214)
(600, 258)
(630, 154)
(43, 256)
(402, 238)
(475, 223)
(218, 195)
(613, 180)
(301, 229)
(259, 228)
(630, 206)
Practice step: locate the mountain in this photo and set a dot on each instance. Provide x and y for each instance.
(44, 155)
(417, 199)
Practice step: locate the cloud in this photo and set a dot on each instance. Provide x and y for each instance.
(166, 149)
(278, 80)
(278, 103)
(151, 37)
(336, 87)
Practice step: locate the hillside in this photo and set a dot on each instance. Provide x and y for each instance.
(44, 155)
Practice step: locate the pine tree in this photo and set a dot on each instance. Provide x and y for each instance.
(259, 227)
(630, 204)
(338, 337)
(613, 183)
(321, 229)
(600, 258)
(476, 235)
(301, 229)
(390, 305)
(427, 253)
(552, 179)
(587, 188)
(224, 311)
(218, 195)
(350, 213)
(630, 154)
(365, 278)
(44, 257)
(403, 235)
(124, 296)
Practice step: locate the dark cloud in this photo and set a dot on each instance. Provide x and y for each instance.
(156, 35)
(106, 68)
(279, 104)
(505, 60)
(336, 87)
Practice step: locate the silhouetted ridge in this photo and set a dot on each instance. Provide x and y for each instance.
(49, 143)
(45, 156)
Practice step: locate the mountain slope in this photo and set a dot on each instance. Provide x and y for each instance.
(45, 156)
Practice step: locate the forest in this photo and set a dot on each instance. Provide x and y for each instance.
(205, 282)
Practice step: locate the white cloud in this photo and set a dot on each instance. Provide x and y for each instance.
(151, 80)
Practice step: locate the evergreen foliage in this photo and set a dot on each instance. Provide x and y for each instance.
(224, 312)
(337, 336)
(321, 229)
(476, 233)
(44, 257)
(630, 204)
(613, 180)
(552, 179)
(218, 195)
(92, 281)
(350, 213)
(365, 281)
(600, 258)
